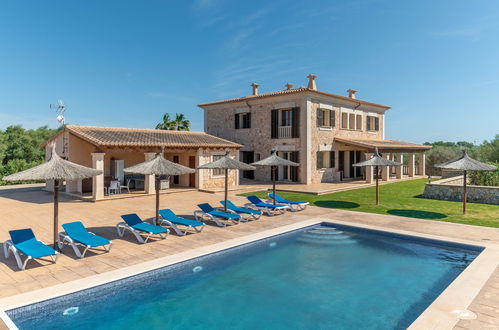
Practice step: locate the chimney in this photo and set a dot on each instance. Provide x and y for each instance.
(289, 86)
(351, 93)
(311, 82)
(255, 88)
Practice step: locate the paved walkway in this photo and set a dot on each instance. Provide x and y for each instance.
(34, 209)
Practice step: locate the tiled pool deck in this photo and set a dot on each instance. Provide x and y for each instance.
(34, 209)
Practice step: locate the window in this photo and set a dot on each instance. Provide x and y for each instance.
(217, 171)
(286, 118)
(325, 118)
(372, 123)
(351, 121)
(344, 120)
(242, 120)
(325, 159)
(358, 122)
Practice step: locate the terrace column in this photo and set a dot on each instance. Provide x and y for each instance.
(422, 163)
(399, 169)
(98, 180)
(149, 184)
(411, 159)
(369, 169)
(385, 170)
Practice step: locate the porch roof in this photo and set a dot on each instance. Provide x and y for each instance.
(134, 137)
(383, 145)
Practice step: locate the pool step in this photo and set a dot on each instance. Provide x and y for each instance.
(325, 236)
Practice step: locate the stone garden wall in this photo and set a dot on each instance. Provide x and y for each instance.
(452, 190)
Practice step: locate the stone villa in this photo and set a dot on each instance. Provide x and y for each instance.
(326, 133)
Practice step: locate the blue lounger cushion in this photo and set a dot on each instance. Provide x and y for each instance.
(136, 223)
(77, 231)
(234, 208)
(25, 241)
(168, 214)
(207, 208)
(279, 199)
(258, 202)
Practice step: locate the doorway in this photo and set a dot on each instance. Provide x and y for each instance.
(192, 176)
(288, 173)
(176, 178)
(248, 157)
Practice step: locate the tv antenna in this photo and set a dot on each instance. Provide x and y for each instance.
(60, 108)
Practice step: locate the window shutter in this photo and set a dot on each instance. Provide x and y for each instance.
(236, 121)
(249, 119)
(295, 129)
(376, 123)
(294, 157)
(368, 123)
(274, 123)
(332, 118)
(331, 159)
(320, 159)
(319, 117)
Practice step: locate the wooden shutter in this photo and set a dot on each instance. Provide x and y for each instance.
(368, 123)
(274, 124)
(295, 126)
(294, 157)
(376, 123)
(320, 159)
(319, 117)
(249, 120)
(236, 121)
(332, 118)
(331, 159)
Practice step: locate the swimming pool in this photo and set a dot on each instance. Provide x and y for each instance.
(324, 276)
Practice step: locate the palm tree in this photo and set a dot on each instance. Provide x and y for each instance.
(180, 123)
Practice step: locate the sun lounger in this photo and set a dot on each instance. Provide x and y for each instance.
(76, 234)
(209, 213)
(270, 209)
(23, 241)
(250, 214)
(170, 219)
(295, 206)
(138, 228)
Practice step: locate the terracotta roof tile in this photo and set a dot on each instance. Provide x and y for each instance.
(291, 91)
(383, 144)
(133, 137)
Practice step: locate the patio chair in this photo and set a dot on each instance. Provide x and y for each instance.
(127, 186)
(23, 241)
(138, 228)
(170, 219)
(114, 186)
(76, 234)
(270, 209)
(251, 214)
(210, 213)
(294, 205)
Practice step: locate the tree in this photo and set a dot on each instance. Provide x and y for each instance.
(180, 123)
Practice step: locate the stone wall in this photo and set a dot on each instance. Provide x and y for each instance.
(452, 190)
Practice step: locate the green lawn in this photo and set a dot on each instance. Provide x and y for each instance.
(402, 199)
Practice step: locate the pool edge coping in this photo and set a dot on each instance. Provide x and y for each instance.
(438, 315)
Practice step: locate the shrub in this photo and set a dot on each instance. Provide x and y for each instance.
(485, 178)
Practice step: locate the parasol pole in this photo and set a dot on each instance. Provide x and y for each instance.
(157, 184)
(377, 185)
(273, 182)
(226, 188)
(465, 197)
(56, 211)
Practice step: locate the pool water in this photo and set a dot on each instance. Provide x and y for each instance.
(319, 277)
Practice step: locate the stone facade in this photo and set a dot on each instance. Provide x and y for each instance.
(452, 190)
(219, 120)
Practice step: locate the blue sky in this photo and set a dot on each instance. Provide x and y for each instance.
(125, 63)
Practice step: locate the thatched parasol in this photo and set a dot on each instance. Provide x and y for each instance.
(465, 163)
(273, 161)
(376, 160)
(226, 163)
(56, 169)
(158, 166)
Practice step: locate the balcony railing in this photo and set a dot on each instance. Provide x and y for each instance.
(284, 132)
